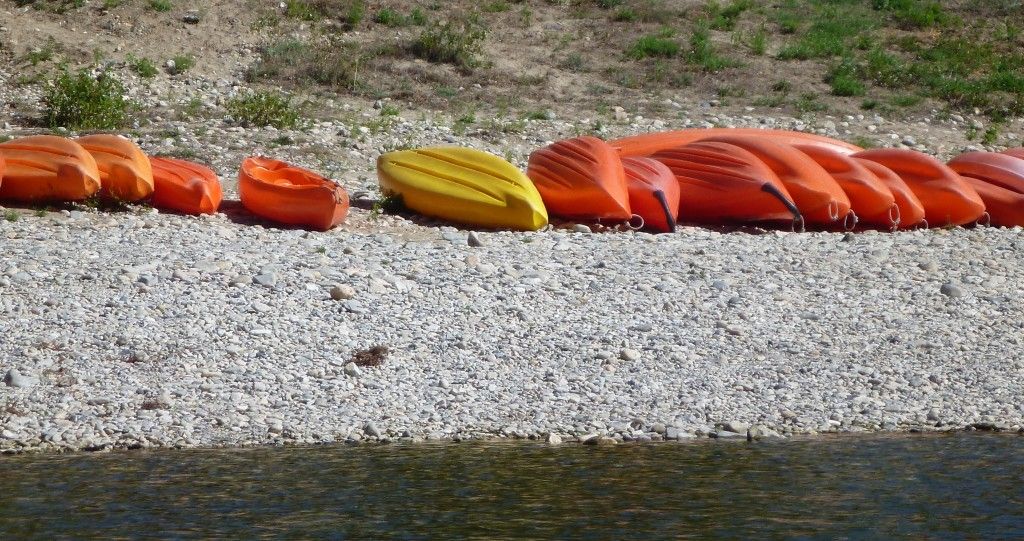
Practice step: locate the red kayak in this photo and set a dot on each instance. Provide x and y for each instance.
(817, 195)
(1002, 170)
(581, 178)
(721, 183)
(291, 195)
(1015, 152)
(651, 143)
(185, 187)
(947, 199)
(1005, 207)
(870, 199)
(653, 193)
(910, 208)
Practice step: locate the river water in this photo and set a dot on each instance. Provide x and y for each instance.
(964, 486)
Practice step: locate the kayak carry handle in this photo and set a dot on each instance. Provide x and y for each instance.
(894, 218)
(850, 221)
(791, 206)
(671, 220)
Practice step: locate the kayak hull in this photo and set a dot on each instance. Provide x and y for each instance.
(911, 211)
(125, 171)
(651, 143)
(722, 183)
(185, 187)
(653, 193)
(946, 198)
(291, 195)
(1005, 207)
(870, 199)
(47, 168)
(581, 178)
(463, 185)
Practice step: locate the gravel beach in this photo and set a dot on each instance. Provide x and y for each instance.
(137, 329)
(145, 329)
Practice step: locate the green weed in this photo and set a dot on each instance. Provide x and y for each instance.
(457, 42)
(265, 109)
(82, 101)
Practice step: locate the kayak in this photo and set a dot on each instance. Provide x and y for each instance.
(290, 195)
(818, 196)
(872, 202)
(1002, 170)
(911, 211)
(185, 187)
(47, 168)
(946, 198)
(651, 143)
(463, 185)
(1005, 207)
(581, 178)
(653, 193)
(723, 183)
(1015, 152)
(125, 171)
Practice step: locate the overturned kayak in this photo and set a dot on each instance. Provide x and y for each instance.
(818, 196)
(651, 143)
(185, 187)
(946, 198)
(1015, 152)
(290, 195)
(873, 202)
(653, 193)
(463, 185)
(47, 168)
(1005, 207)
(910, 208)
(125, 171)
(721, 183)
(1002, 170)
(581, 178)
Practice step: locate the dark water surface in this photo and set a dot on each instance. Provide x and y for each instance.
(959, 487)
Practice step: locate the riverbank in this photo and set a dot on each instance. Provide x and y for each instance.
(140, 329)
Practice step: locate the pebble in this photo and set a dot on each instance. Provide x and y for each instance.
(342, 292)
(474, 240)
(268, 279)
(950, 289)
(17, 380)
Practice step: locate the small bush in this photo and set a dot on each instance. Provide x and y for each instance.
(843, 78)
(265, 109)
(160, 5)
(81, 101)
(659, 45)
(702, 52)
(724, 18)
(144, 67)
(389, 17)
(182, 63)
(455, 42)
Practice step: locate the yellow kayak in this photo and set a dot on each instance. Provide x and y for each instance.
(463, 185)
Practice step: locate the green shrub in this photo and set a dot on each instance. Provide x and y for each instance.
(160, 5)
(82, 101)
(264, 109)
(724, 18)
(144, 67)
(844, 81)
(182, 63)
(389, 17)
(455, 42)
(655, 45)
(703, 54)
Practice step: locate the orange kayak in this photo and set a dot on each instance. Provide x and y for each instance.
(947, 199)
(817, 195)
(653, 193)
(1015, 152)
(1002, 170)
(911, 211)
(651, 143)
(873, 202)
(581, 178)
(1005, 207)
(291, 195)
(125, 171)
(185, 187)
(47, 168)
(722, 183)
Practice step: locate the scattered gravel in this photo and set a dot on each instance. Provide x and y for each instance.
(550, 335)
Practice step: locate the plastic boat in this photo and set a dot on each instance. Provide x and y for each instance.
(651, 143)
(870, 199)
(818, 196)
(125, 171)
(910, 207)
(185, 187)
(581, 178)
(290, 195)
(723, 183)
(653, 193)
(47, 168)
(947, 198)
(463, 185)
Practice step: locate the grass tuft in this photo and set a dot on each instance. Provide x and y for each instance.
(260, 109)
(81, 100)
